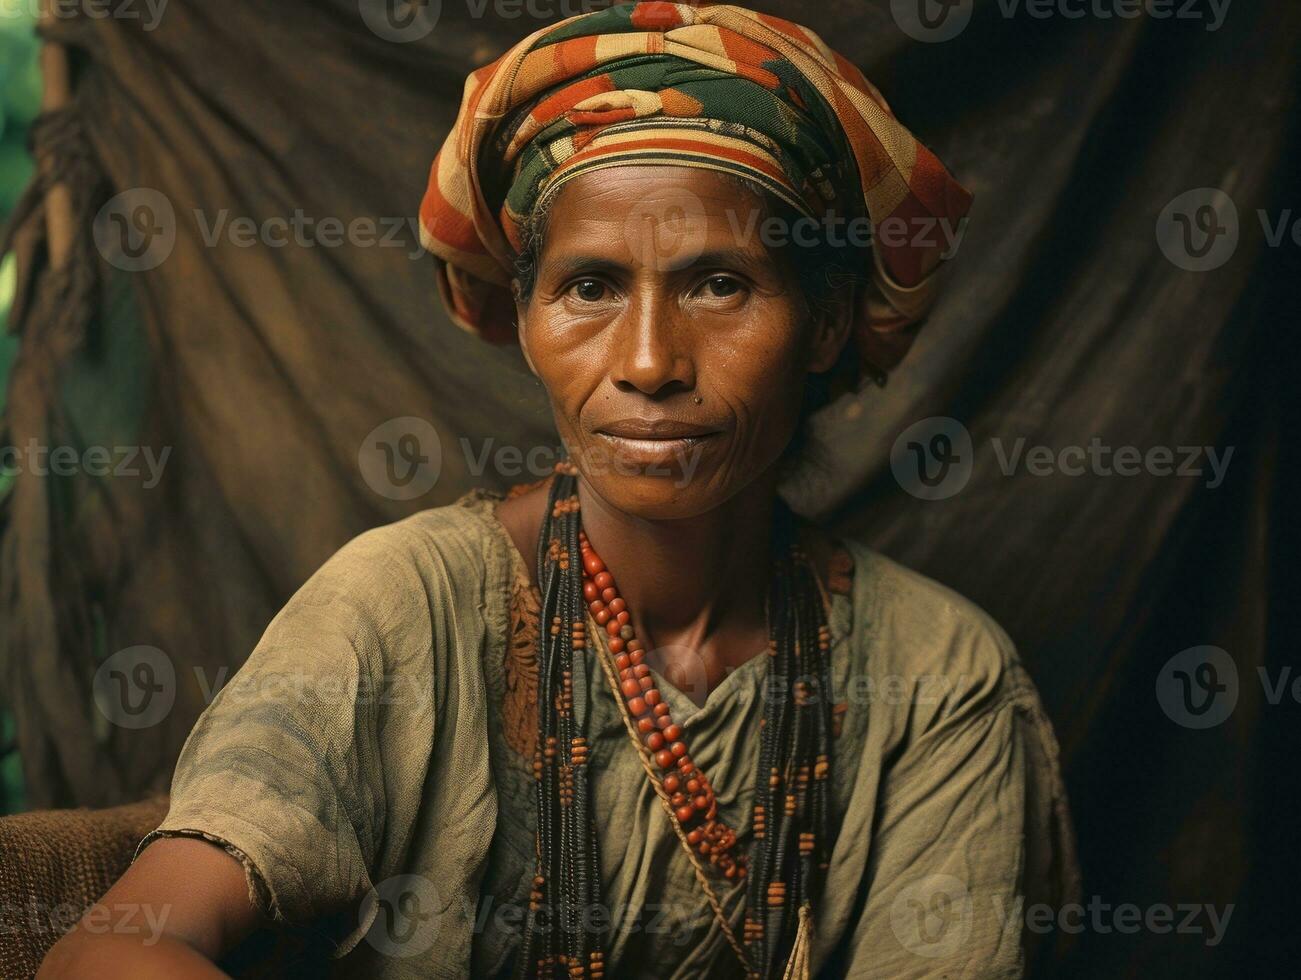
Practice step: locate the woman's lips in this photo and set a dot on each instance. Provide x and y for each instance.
(667, 455)
(655, 429)
(665, 443)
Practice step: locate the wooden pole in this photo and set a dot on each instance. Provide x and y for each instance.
(56, 93)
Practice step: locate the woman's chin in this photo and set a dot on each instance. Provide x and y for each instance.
(656, 496)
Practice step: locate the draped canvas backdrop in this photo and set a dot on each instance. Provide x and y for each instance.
(261, 369)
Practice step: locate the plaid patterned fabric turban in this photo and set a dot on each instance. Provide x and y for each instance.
(717, 87)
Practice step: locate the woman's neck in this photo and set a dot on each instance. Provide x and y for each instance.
(697, 582)
(695, 587)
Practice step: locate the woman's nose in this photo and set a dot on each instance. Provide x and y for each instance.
(652, 349)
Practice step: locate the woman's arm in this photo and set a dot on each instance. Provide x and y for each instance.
(182, 905)
(312, 763)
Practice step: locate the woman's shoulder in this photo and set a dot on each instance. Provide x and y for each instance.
(453, 555)
(464, 525)
(918, 633)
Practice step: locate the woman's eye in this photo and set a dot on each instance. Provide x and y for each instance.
(722, 287)
(589, 290)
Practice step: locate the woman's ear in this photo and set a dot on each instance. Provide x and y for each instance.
(521, 305)
(831, 326)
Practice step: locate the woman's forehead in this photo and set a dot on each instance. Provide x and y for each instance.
(638, 212)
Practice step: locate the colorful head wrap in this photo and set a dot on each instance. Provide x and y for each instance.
(717, 87)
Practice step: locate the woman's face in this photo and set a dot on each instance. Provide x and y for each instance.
(674, 344)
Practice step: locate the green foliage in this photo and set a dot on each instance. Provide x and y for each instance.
(20, 98)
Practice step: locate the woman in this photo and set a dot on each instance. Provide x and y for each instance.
(694, 736)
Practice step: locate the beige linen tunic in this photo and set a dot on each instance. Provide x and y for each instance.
(371, 766)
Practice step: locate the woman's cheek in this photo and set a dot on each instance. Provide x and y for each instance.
(770, 372)
(569, 388)
(562, 353)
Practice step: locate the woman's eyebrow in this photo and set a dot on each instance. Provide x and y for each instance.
(564, 266)
(747, 260)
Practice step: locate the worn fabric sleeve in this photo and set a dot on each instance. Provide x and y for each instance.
(972, 825)
(312, 763)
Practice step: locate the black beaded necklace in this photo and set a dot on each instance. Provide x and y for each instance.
(791, 819)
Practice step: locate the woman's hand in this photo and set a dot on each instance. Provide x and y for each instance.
(182, 905)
